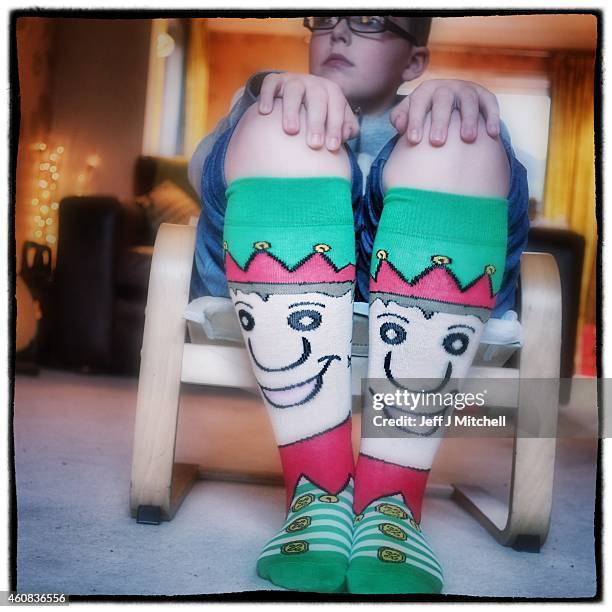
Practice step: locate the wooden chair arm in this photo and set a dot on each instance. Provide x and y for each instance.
(540, 316)
(160, 367)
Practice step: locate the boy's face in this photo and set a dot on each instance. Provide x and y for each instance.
(371, 66)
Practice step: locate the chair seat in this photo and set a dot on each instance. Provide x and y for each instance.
(212, 320)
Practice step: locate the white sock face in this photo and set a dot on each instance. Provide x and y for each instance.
(299, 346)
(440, 347)
(406, 346)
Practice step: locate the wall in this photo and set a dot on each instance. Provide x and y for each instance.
(83, 84)
(233, 57)
(35, 48)
(98, 98)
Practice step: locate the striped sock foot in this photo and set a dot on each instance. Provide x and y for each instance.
(311, 551)
(389, 553)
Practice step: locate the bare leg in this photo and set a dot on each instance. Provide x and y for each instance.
(290, 265)
(437, 263)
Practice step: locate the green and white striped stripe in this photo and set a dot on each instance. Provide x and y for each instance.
(386, 535)
(317, 532)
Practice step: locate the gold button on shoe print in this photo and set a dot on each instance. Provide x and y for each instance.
(391, 510)
(294, 548)
(262, 245)
(321, 248)
(382, 254)
(328, 499)
(391, 555)
(299, 524)
(393, 531)
(302, 502)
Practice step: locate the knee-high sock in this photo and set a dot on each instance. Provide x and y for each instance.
(438, 261)
(290, 265)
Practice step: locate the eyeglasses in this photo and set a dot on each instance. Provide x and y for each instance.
(365, 24)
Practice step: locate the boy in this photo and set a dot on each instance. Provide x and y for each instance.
(439, 227)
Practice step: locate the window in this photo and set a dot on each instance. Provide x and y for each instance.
(527, 118)
(164, 115)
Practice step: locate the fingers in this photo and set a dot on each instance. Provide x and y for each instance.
(399, 115)
(489, 107)
(315, 102)
(469, 109)
(336, 105)
(420, 104)
(329, 118)
(269, 88)
(350, 128)
(441, 98)
(293, 94)
(442, 106)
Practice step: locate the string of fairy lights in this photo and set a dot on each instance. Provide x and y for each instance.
(45, 202)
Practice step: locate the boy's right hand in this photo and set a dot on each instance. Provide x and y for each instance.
(329, 117)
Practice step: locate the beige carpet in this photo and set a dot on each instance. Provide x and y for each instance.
(73, 436)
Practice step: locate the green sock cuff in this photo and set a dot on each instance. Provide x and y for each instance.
(290, 218)
(447, 216)
(467, 234)
(289, 202)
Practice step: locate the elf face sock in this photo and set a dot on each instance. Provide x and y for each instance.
(290, 265)
(437, 264)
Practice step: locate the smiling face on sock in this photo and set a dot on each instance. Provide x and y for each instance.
(437, 350)
(298, 345)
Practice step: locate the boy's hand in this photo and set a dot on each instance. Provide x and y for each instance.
(329, 118)
(441, 97)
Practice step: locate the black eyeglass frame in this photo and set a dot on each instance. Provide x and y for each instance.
(387, 25)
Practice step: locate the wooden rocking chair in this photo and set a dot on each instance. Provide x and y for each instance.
(158, 485)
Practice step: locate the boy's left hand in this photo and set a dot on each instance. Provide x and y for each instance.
(441, 97)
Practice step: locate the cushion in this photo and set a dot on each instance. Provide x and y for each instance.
(154, 170)
(214, 319)
(168, 203)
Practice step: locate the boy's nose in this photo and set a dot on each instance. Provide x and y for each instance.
(341, 31)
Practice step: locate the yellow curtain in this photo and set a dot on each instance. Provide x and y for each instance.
(569, 195)
(196, 89)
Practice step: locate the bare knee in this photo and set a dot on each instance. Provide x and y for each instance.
(260, 147)
(480, 168)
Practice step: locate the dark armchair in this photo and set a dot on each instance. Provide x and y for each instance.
(94, 310)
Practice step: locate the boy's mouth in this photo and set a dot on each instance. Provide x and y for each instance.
(337, 60)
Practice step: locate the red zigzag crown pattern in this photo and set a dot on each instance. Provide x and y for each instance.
(435, 283)
(265, 268)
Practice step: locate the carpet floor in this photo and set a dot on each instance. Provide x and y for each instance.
(73, 437)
